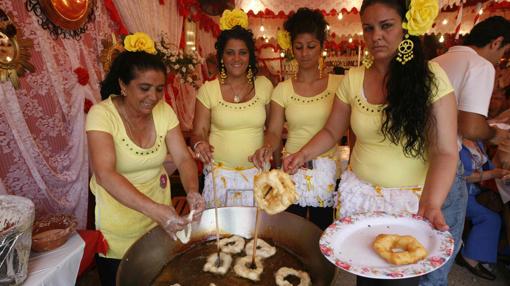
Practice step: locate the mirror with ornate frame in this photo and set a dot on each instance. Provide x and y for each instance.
(66, 18)
(14, 52)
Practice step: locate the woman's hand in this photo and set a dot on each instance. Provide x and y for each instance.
(434, 215)
(261, 157)
(204, 152)
(196, 203)
(170, 221)
(293, 162)
(502, 174)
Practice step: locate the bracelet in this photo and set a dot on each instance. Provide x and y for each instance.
(196, 144)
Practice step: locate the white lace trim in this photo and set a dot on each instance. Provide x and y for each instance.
(233, 188)
(356, 196)
(316, 187)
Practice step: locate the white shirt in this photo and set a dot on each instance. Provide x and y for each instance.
(472, 77)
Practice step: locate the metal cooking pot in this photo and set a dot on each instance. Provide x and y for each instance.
(146, 258)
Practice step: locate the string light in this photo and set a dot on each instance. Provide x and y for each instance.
(480, 12)
(441, 39)
(282, 54)
(340, 16)
(262, 29)
(327, 27)
(445, 21)
(324, 53)
(350, 40)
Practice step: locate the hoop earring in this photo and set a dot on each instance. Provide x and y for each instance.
(405, 50)
(223, 73)
(321, 66)
(249, 75)
(367, 60)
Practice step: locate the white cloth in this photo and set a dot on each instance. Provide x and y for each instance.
(504, 190)
(316, 187)
(233, 187)
(472, 77)
(356, 196)
(58, 267)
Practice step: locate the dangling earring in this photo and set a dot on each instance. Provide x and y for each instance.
(367, 60)
(294, 67)
(321, 66)
(249, 75)
(405, 50)
(223, 73)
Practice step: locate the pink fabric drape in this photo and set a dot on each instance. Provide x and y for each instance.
(42, 138)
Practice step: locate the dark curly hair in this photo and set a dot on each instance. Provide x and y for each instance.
(238, 33)
(407, 118)
(304, 21)
(487, 30)
(125, 66)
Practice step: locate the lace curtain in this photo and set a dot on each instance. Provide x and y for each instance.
(42, 138)
(151, 17)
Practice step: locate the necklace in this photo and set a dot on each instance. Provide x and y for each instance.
(237, 97)
(128, 125)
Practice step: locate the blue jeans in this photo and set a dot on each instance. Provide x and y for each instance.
(454, 211)
(482, 241)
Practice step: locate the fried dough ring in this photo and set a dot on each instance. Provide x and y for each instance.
(413, 250)
(243, 268)
(264, 249)
(274, 191)
(232, 245)
(210, 265)
(304, 278)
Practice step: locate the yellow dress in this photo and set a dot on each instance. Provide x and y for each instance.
(305, 117)
(143, 167)
(237, 129)
(374, 159)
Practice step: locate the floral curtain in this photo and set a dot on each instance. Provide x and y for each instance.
(42, 138)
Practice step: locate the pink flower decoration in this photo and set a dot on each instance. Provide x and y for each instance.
(343, 265)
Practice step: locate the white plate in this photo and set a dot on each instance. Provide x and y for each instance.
(347, 243)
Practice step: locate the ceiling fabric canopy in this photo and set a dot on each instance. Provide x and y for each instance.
(349, 25)
(327, 6)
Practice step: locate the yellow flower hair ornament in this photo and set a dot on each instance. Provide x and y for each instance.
(283, 39)
(420, 16)
(231, 18)
(139, 42)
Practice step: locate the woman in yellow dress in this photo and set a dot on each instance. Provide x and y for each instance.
(230, 116)
(304, 102)
(129, 135)
(403, 112)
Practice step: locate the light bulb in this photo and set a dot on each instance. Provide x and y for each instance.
(340, 16)
(350, 40)
(441, 39)
(262, 28)
(445, 21)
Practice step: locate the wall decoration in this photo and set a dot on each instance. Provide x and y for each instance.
(14, 52)
(63, 18)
